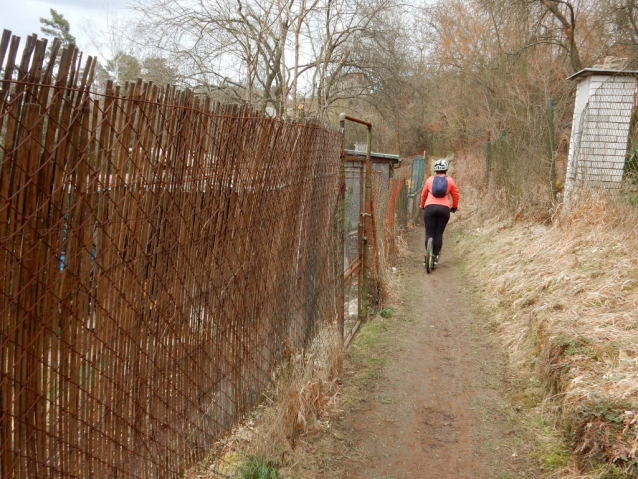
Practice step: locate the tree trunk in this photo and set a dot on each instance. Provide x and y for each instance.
(569, 27)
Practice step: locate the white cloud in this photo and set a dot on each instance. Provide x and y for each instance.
(22, 17)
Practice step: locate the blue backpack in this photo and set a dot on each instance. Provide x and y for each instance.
(439, 187)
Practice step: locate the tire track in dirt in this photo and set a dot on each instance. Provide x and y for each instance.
(439, 410)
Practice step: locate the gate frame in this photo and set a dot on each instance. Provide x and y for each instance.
(365, 222)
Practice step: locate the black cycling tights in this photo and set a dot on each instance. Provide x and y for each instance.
(435, 218)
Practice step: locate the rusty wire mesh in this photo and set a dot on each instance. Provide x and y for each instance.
(389, 200)
(353, 204)
(159, 254)
(395, 216)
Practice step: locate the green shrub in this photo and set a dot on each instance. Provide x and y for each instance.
(386, 313)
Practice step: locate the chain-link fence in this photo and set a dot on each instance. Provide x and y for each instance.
(417, 180)
(353, 205)
(159, 254)
(500, 155)
(602, 140)
(378, 261)
(389, 219)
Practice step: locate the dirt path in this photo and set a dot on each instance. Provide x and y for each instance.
(438, 407)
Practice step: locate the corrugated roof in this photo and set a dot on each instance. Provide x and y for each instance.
(386, 156)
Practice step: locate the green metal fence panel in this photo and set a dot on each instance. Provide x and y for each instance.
(416, 180)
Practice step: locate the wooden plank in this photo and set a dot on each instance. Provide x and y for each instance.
(91, 407)
(23, 282)
(79, 267)
(7, 347)
(48, 72)
(141, 159)
(35, 71)
(106, 298)
(75, 69)
(119, 238)
(23, 69)
(30, 295)
(80, 403)
(14, 249)
(4, 44)
(68, 157)
(54, 223)
(9, 67)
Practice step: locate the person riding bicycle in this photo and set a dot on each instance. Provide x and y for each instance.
(434, 198)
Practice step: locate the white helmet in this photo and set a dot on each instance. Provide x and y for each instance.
(440, 165)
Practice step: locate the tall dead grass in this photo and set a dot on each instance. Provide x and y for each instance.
(532, 199)
(303, 396)
(301, 400)
(564, 294)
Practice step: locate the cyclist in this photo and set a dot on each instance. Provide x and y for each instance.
(434, 198)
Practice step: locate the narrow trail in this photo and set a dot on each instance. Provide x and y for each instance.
(439, 408)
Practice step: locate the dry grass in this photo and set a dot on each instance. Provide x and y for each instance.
(380, 285)
(303, 398)
(301, 401)
(531, 200)
(401, 243)
(564, 297)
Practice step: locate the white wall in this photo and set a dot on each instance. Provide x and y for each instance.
(600, 130)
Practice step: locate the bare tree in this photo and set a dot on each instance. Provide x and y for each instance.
(111, 44)
(304, 9)
(221, 45)
(243, 47)
(565, 12)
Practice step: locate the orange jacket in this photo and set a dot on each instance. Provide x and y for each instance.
(428, 199)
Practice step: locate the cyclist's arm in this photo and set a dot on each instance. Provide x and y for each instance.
(424, 193)
(454, 191)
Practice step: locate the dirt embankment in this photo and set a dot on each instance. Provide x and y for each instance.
(562, 298)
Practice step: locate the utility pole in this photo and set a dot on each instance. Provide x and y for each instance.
(488, 160)
(552, 159)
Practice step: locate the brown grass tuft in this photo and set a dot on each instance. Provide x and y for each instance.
(303, 396)
(301, 400)
(605, 430)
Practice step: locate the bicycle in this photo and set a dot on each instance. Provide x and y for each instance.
(431, 259)
(429, 256)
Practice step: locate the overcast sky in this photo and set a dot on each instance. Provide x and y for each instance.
(22, 17)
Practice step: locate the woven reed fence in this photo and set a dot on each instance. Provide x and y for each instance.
(159, 254)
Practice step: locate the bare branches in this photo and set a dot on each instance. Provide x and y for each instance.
(569, 28)
(247, 45)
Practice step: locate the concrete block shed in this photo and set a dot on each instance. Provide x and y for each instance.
(605, 100)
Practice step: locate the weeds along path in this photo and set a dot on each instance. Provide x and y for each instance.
(426, 398)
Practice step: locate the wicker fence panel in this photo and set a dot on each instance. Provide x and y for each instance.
(159, 254)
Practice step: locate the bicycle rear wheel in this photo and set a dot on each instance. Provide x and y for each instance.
(429, 256)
